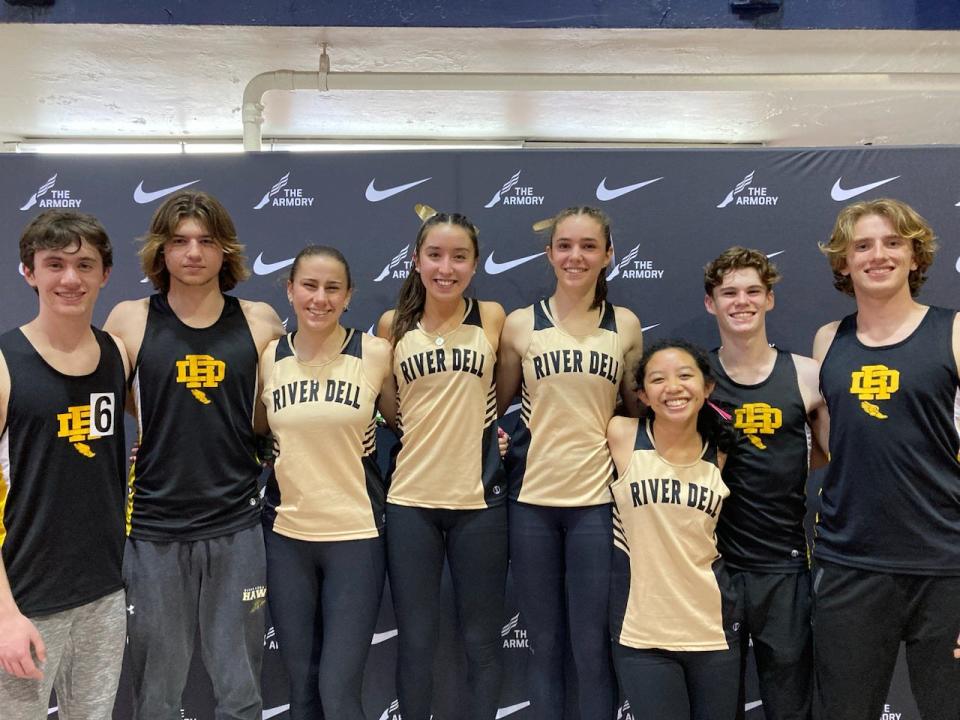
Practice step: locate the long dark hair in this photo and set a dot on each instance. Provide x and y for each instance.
(413, 295)
(712, 426)
(600, 292)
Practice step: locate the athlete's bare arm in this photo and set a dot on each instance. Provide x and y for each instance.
(378, 365)
(128, 322)
(820, 420)
(492, 316)
(631, 337)
(266, 368)
(621, 434)
(388, 392)
(265, 327)
(514, 340)
(808, 377)
(123, 356)
(17, 634)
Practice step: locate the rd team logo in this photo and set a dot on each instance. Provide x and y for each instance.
(83, 423)
(200, 371)
(756, 419)
(874, 382)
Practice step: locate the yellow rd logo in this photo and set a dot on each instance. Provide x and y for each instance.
(197, 371)
(87, 422)
(874, 382)
(757, 419)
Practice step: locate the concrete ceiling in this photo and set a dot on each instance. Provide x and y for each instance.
(776, 88)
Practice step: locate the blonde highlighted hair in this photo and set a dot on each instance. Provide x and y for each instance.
(906, 222)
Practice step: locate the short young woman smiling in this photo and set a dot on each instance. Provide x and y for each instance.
(447, 488)
(324, 516)
(568, 355)
(674, 612)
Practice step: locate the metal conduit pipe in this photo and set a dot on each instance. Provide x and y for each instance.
(570, 82)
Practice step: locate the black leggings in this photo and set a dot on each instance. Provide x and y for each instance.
(560, 562)
(668, 685)
(324, 600)
(475, 542)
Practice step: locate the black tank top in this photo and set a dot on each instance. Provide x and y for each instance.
(891, 495)
(63, 487)
(196, 472)
(761, 525)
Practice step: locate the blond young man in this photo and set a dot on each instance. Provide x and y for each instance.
(887, 546)
(194, 556)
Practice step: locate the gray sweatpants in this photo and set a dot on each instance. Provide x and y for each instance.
(84, 654)
(218, 585)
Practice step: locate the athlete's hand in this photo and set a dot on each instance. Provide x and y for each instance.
(133, 451)
(503, 441)
(956, 650)
(19, 643)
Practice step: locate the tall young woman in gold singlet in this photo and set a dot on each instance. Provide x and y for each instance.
(447, 490)
(323, 520)
(674, 612)
(569, 356)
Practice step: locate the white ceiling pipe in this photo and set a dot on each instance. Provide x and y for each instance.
(575, 82)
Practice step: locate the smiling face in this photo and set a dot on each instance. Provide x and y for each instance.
(192, 256)
(319, 292)
(878, 260)
(674, 387)
(446, 261)
(740, 302)
(578, 252)
(68, 280)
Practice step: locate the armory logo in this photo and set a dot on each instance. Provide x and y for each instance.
(270, 639)
(47, 196)
(752, 196)
(632, 267)
(512, 193)
(889, 713)
(623, 712)
(398, 267)
(282, 196)
(514, 638)
(392, 712)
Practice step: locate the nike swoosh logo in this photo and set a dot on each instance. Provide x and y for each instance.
(273, 712)
(511, 709)
(752, 705)
(52, 710)
(383, 637)
(649, 327)
(374, 195)
(494, 268)
(839, 194)
(958, 265)
(774, 254)
(143, 197)
(604, 193)
(262, 268)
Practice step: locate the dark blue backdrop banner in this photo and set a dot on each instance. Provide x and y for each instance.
(672, 211)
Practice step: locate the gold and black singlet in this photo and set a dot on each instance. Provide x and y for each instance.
(447, 418)
(323, 418)
(669, 587)
(559, 455)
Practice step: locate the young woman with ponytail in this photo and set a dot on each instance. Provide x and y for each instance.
(447, 490)
(675, 614)
(569, 355)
